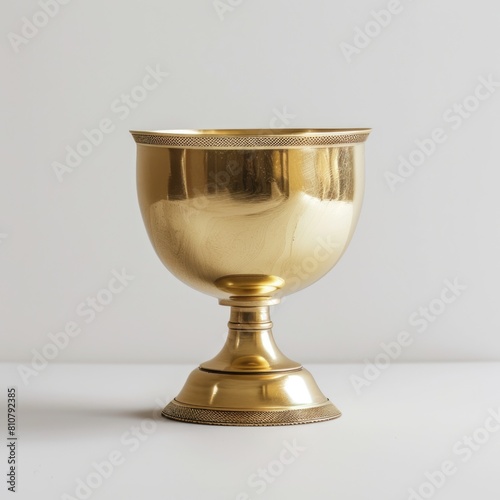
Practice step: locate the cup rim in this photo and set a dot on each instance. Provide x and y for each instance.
(266, 138)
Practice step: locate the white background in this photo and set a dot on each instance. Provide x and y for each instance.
(60, 241)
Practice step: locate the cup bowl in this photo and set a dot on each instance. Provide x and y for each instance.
(250, 213)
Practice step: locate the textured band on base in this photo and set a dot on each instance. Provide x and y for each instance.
(250, 418)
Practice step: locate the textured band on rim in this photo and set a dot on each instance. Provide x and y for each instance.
(250, 418)
(249, 141)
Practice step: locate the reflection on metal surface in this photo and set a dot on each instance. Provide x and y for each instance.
(249, 216)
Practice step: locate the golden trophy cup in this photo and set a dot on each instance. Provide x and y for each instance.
(249, 216)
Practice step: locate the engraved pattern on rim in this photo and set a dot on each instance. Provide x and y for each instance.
(248, 141)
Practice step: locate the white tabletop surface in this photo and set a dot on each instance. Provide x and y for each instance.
(412, 421)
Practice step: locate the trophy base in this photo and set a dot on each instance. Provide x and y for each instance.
(250, 382)
(265, 399)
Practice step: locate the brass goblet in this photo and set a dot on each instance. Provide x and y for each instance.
(249, 216)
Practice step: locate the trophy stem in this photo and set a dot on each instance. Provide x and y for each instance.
(250, 346)
(250, 382)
